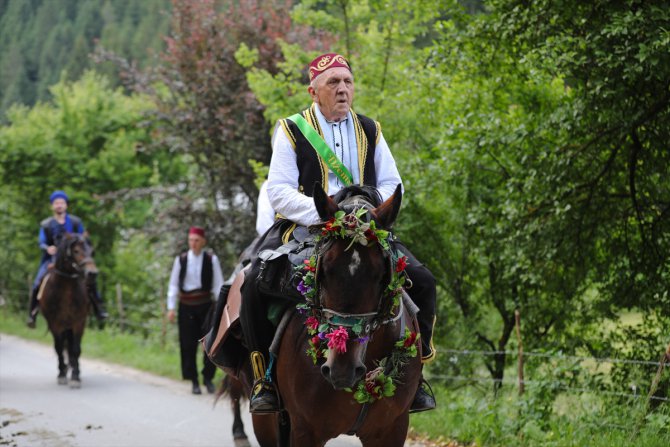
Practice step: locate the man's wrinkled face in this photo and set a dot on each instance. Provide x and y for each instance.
(333, 91)
(196, 243)
(59, 206)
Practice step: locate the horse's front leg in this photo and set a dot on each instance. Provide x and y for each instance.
(301, 435)
(74, 351)
(392, 435)
(62, 367)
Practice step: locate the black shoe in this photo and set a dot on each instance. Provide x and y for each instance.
(210, 386)
(102, 319)
(263, 398)
(196, 389)
(30, 322)
(424, 399)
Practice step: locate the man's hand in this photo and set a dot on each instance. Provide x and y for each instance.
(52, 249)
(171, 315)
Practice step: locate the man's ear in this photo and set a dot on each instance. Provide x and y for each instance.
(386, 213)
(325, 206)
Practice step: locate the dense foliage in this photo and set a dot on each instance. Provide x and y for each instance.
(44, 41)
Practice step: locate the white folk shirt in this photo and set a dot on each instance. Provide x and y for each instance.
(192, 278)
(265, 215)
(341, 138)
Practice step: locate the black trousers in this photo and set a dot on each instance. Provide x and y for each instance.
(191, 321)
(259, 332)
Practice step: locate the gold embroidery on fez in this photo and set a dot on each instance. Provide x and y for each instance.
(324, 63)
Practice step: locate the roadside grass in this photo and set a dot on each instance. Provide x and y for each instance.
(472, 417)
(110, 345)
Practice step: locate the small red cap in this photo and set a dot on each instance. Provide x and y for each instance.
(326, 62)
(197, 230)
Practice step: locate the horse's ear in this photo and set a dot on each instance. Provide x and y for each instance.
(325, 206)
(386, 213)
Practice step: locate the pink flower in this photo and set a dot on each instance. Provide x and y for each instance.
(337, 340)
(312, 323)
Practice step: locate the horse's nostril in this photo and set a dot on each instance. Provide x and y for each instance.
(360, 372)
(325, 371)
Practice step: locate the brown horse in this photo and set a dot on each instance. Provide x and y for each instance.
(64, 302)
(363, 366)
(357, 300)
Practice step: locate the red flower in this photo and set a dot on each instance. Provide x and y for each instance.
(330, 227)
(371, 235)
(401, 264)
(308, 265)
(410, 340)
(312, 323)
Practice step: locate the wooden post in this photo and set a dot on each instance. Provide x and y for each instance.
(517, 323)
(164, 320)
(119, 307)
(665, 358)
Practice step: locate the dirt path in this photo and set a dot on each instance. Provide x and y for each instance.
(116, 406)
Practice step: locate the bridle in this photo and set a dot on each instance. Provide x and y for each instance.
(361, 325)
(78, 267)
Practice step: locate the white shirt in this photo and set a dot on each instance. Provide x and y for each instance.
(192, 278)
(265, 214)
(340, 137)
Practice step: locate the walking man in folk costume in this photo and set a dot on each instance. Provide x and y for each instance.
(195, 280)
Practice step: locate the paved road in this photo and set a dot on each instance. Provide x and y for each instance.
(116, 406)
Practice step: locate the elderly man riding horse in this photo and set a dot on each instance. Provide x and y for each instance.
(331, 145)
(52, 230)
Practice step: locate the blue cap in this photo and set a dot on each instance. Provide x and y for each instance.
(58, 195)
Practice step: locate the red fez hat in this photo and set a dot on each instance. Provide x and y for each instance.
(326, 62)
(197, 230)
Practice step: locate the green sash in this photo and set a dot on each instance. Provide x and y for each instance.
(325, 152)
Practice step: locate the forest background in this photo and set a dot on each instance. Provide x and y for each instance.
(532, 138)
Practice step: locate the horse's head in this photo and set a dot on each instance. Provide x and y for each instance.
(354, 269)
(74, 257)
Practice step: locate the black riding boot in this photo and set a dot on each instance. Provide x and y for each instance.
(422, 290)
(424, 399)
(96, 301)
(32, 312)
(258, 333)
(263, 394)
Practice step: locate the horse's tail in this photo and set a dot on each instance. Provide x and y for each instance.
(230, 387)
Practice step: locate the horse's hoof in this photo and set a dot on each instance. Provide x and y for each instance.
(62, 380)
(75, 384)
(239, 434)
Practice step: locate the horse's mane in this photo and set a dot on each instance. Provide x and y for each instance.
(368, 197)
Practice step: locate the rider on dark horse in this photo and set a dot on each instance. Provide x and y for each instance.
(52, 230)
(352, 150)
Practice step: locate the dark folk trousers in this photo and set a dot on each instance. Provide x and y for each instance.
(191, 320)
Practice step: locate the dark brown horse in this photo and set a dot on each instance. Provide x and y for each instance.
(353, 296)
(364, 363)
(64, 302)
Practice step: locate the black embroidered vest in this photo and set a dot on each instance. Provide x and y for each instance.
(206, 273)
(311, 167)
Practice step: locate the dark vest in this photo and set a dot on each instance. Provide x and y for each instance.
(206, 273)
(310, 166)
(55, 231)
